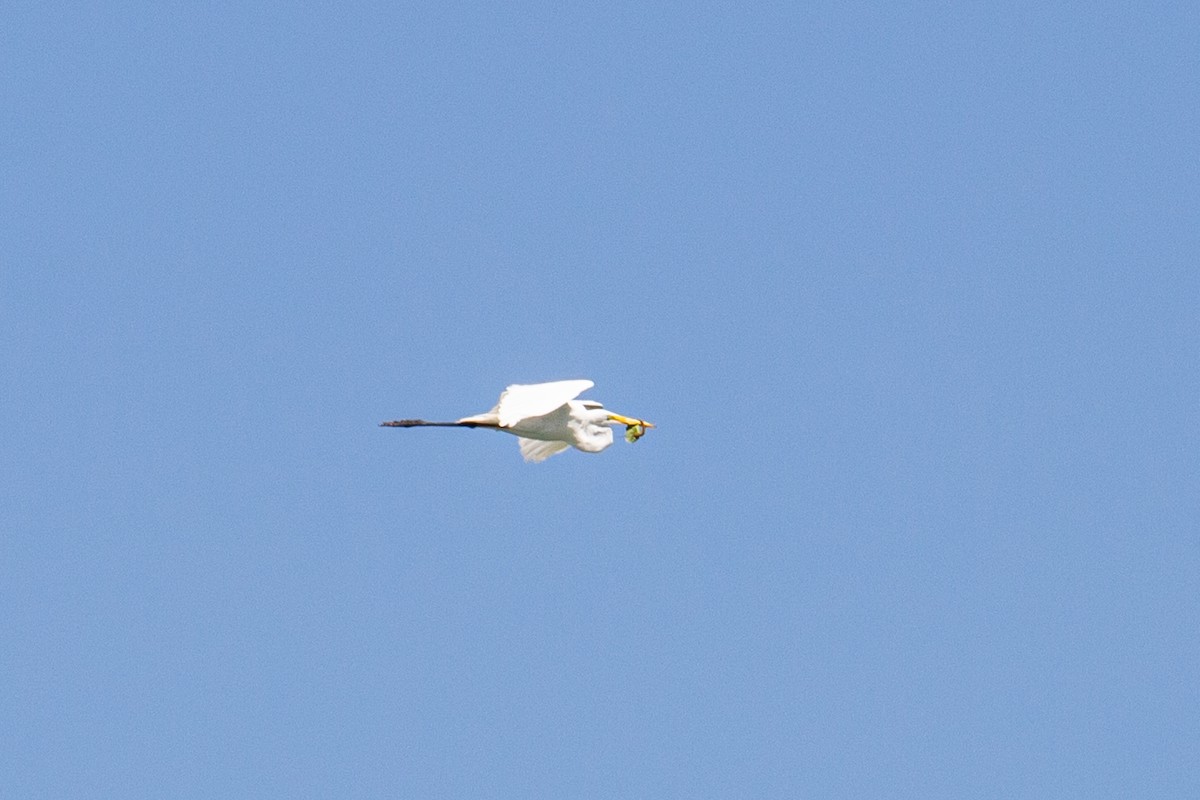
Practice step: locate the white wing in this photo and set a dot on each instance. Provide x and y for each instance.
(536, 450)
(521, 401)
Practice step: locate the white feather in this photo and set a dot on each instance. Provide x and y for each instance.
(536, 450)
(522, 401)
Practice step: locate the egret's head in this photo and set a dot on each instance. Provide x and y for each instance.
(600, 420)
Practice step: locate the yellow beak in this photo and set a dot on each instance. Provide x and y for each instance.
(629, 420)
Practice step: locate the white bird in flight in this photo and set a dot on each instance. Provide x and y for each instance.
(547, 418)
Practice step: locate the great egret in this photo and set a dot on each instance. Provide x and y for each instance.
(547, 418)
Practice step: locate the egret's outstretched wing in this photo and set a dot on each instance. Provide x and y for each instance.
(536, 450)
(521, 401)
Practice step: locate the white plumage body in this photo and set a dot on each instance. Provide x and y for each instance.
(548, 419)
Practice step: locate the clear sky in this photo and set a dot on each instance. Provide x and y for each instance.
(912, 292)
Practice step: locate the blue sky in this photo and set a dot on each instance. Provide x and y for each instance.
(911, 292)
